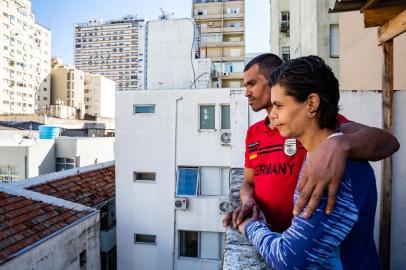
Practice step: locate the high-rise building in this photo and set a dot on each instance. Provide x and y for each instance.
(221, 24)
(25, 49)
(300, 28)
(114, 49)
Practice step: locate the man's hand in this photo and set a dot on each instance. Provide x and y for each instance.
(324, 167)
(239, 215)
(256, 215)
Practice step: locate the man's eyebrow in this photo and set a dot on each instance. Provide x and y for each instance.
(249, 82)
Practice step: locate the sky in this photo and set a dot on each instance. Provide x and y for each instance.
(60, 16)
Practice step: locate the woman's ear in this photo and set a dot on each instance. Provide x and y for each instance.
(313, 101)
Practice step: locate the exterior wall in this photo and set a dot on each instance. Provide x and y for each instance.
(310, 30)
(99, 95)
(359, 51)
(69, 91)
(86, 151)
(62, 250)
(114, 49)
(25, 48)
(41, 158)
(170, 67)
(216, 18)
(159, 154)
(33, 160)
(278, 39)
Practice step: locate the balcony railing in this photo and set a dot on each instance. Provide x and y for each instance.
(239, 254)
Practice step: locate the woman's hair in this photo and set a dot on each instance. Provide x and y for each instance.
(310, 74)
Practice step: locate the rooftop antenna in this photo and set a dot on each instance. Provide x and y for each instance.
(164, 15)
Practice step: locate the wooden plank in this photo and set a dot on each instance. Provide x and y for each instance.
(392, 28)
(370, 4)
(381, 15)
(386, 186)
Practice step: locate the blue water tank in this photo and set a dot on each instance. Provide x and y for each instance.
(48, 132)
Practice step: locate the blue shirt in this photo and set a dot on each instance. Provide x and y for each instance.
(341, 240)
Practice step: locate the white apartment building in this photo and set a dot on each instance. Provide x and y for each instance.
(25, 49)
(67, 86)
(171, 61)
(300, 28)
(170, 186)
(99, 95)
(114, 49)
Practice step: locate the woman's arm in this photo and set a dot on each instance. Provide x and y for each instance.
(307, 241)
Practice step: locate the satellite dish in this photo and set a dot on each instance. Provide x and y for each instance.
(223, 206)
(226, 137)
(18, 138)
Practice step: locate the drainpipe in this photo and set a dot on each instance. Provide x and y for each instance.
(175, 169)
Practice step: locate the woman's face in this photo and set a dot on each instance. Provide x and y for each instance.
(288, 115)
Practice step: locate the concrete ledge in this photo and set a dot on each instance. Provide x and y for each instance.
(239, 254)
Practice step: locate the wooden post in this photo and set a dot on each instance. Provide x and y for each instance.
(386, 187)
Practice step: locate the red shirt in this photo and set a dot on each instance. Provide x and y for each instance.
(276, 162)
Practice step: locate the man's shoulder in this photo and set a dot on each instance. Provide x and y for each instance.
(258, 125)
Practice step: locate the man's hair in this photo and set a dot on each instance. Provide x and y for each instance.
(266, 62)
(306, 75)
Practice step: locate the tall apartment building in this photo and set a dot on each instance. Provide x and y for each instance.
(99, 95)
(300, 28)
(25, 49)
(221, 24)
(67, 86)
(114, 49)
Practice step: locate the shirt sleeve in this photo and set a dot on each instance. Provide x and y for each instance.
(342, 119)
(307, 242)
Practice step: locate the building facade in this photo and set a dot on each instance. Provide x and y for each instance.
(67, 86)
(222, 24)
(300, 28)
(25, 49)
(99, 95)
(171, 61)
(172, 197)
(114, 49)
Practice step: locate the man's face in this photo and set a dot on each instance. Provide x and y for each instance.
(257, 89)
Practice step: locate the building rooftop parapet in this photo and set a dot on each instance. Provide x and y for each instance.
(239, 254)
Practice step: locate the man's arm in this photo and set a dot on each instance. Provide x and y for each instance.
(247, 200)
(325, 166)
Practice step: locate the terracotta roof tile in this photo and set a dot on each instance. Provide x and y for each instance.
(24, 221)
(88, 188)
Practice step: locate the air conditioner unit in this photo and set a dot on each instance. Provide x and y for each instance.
(224, 206)
(181, 203)
(225, 138)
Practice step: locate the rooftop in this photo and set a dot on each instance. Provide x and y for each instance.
(27, 219)
(88, 186)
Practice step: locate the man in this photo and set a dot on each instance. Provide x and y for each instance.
(273, 163)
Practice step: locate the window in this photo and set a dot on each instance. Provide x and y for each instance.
(285, 53)
(285, 21)
(144, 176)
(187, 182)
(235, 52)
(225, 116)
(83, 259)
(201, 245)
(65, 164)
(8, 173)
(214, 181)
(207, 115)
(334, 41)
(144, 239)
(231, 10)
(144, 109)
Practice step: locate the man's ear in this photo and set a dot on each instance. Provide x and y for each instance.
(313, 101)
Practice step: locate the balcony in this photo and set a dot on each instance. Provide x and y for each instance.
(239, 254)
(284, 26)
(221, 44)
(232, 75)
(234, 29)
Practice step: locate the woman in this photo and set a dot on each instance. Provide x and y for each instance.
(305, 106)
